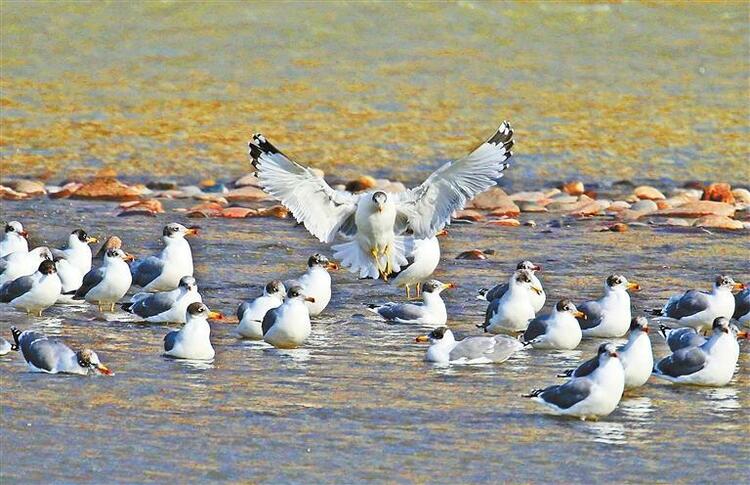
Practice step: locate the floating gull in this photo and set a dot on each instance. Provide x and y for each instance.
(698, 309)
(163, 272)
(251, 313)
(288, 325)
(77, 251)
(593, 392)
(316, 283)
(431, 311)
(14, 239)
(376, 221)
(497, 291)
(423, 260)
(710, 364)
(165, 306)
(53, 357)
(556, 330)
(105, 285)
(609, 316)
(34, 293)
(513, 311)
(444, 348)
(22, 263)
(193, 340)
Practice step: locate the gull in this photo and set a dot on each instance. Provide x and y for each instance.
(556, 330)
(34, 293)
(376, 221)
(680, 338)
(590, 394)
(14, 239)
(698, 309)
(316, 283)
(5, 346)
(742, 307)
(54, 357)
(193, 340)
(71, 279)
(165, 306)
(251, 313)
(105, 285)
(710, 364)
(636, 357)
(430, 311)
(513, 311)
(288, 325)
(77, 251)
(163, 272)
(444, 349)
(22, 263)
(610, 315)
(497, 291)
(422, 261)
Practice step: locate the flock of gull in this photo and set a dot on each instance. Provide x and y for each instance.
(389, 236)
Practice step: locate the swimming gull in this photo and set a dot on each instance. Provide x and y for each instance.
(34, 293)
(163, 272)
(556, 330)
(513, 311)
(698, 309)
(193, 340)
(251, 313)
(52, 356)
(165, 306)
(610, 315)
(288, 325)
(445, 349)
(497, 291)
(430, 311)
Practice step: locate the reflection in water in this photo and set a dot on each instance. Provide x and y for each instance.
(608, 432)
(297, 356)
(723, 399)
(637, 408)
(194, 365)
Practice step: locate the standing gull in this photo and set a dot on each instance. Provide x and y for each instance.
(288, 325)
(251, 313)
(22, 263)
(165, 306)
(742, 307)
(193, 340)
(77, 251)
(431, 311)
(698, 309)
(609, 316)
(423, 260)
(54, 357)
(497, 291)
(316, 283)
(105, 285)
(163, 272)
(375, 222)
(710, 364)
(589, 394)
(14, 239)
(445, 349)
(513, 311)
(35, 293)
(557, 330)
(71, 279)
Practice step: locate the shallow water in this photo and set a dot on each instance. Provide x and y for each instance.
(357, 402)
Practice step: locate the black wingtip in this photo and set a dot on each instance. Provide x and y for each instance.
(657, 312)
(16, 335)
(566, 373)
(503, 135)
(663, 330)
(533, 393)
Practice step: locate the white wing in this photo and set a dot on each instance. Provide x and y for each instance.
(429, 206)
(311, 200)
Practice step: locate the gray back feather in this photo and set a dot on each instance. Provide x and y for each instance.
(594, 314)
(683, 362)
(13, 289)
(690, 303)
(496, 292)
(153, 305)
(146, 270)
(170, 340)
(566, 395)
(269, 320)
(92, 278)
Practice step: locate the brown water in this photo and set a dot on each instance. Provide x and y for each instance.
(357, 402)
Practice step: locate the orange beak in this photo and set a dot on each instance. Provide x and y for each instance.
(128, 257)
(449, 285)
(580, 314)
(104, 369)
(91, 240)
(739, 286)
(743, 334)
(24, 234)
(634, 286)
(537, 268)
(422, 339)
(332, 266)
(215, 315)
(192, 231)
(646, 329)
(442, 232)
(310, 299)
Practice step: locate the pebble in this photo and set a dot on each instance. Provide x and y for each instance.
(148, 207)
(190, 191)
(531, 206)
(235, 212)
(698, 209)
(162, 185)
(645, 206)
(7, 193)
(530, 223)
(718, 222)
(504, 222)
(106, 188)
(495, 199)
(474, 254)
(65, 191)
(574, 188)
(212, 198)
(619, 205)
(247, 180)
(468, 215)
(248, 193)
(741, 195)
(528, 196)
(618, 227)
(648, 193)
(719, 192)
(32, 188)
(360, 184)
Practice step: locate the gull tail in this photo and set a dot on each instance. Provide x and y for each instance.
(566, 373)
(482, 294)
(16, 336)
(354, 256)
(533, 393)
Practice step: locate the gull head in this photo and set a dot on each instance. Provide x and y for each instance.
(88, 359)
(380, 198)
(188, 283)
(619, 282)
(15, 227)
(175, 231)
(607, 351)
(275, 288)
(318, 260)
(523, 277)
(440, 334)
(81, 236)
(567, 306)
(726, 283)
(639, 324)
(47, 267)
(529, 266)
(298, 293)
(113, 254)
(435, 286)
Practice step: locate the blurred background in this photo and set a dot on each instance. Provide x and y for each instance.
(600, 92)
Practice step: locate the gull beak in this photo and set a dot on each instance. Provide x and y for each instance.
(448, 285)
(743, 334)
(580, 314)
(24, 234)
(536, 290)
(739, 286)
(422, 339)
(128, 257)
(614, 354)
(442, 232)
(103, 369)
(91, 240)
(380, 207)
(634, 286)
(192, 231)
(332, 266)
(537, 268)
(310, 299)
(215, 315)
(645, 329)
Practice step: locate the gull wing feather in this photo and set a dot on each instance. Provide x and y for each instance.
(429, 206)
(323, 210)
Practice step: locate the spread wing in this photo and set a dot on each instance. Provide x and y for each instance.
(429, 206)
(322, 210)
